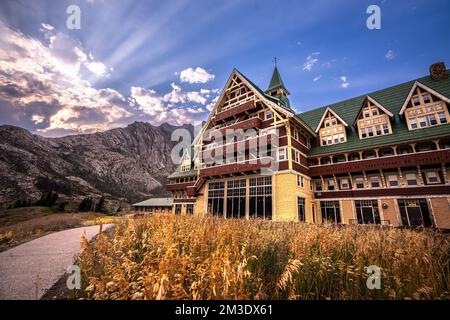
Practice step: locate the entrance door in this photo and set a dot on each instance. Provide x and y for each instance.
(414, 212)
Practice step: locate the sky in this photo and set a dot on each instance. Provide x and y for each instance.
(167, 61)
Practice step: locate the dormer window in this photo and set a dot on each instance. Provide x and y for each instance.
(425, 107)
(373, 120)
(331, 129)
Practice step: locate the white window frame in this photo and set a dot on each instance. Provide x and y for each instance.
(282, 152)
(435, 174)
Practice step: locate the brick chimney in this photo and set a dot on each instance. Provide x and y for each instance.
(438, 71)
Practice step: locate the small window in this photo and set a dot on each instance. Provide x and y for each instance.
(378, 130)
(333, 122)
(415, 101)
(413, 123)
(375, 182)
(318, 185)
(344, 184)
(300, 181)
(366, 114)
(393, 180)
(341, 137)
(411, 179)
(432, 119)
(327, 123)
(432, 177)
(375, 112)
(370, 132)
(385, 128)
(269, 114)
(423, 122)
(359, 183)
(363, 133)
(330, 184)
(442, 117)
(281, 154)
(426, 98)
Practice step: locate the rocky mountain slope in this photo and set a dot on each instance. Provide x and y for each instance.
(124, 165)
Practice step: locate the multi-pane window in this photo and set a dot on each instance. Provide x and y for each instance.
(359, 183)
(432, 177)
(178, 208)
(332, 131)
(216, 193)
(425, 110)
(330, 184)
(367, 212)
(269, 114)
(331, 211)
(411, 179)
(185, 167)
(372, 121)
(344, 183)
(236, 198)
(296, 154)
(260, 200)
(318, 185)
(282, 154)
(415, 212)
(393, 180)
(375, 182)
(189, 208)
(300, 181)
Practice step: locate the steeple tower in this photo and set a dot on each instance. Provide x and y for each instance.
(276, 87)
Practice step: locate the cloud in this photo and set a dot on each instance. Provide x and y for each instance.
(36, 118)
(317, 78)
(311, 60)
(390, 55)
(199, 75)
(344, 82)
(50, 78)
(47, 26)
(175, 106)
(48, 87)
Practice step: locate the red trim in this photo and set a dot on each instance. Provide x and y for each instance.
(392, 162)
(233, 168)
(179, 186)
(247, 106)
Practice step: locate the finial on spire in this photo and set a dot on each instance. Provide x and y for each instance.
(275, 60)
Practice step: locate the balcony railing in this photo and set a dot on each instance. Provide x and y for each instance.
(257, 142)
(391, 162)
(236, 167)
(244, 125)
(247, 106)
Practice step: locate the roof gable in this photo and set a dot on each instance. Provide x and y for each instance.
(374, 102)
(424, 87)
(328, 110)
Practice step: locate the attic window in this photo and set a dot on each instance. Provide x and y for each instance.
(373, 121)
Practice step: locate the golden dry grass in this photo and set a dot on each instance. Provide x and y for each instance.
(184, 257)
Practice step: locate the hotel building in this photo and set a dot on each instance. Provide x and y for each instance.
(380, 158)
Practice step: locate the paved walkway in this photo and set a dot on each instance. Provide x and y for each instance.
(30, 269)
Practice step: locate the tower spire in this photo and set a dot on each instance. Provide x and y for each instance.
(276, 86)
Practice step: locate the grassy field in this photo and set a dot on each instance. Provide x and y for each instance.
(184, 257)
(24, 224)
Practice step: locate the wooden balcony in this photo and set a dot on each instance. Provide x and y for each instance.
(178, 186)
(247, 106)
(237, 167)
(192, 190)
(244, 125)
(257, 142)
(391, 162)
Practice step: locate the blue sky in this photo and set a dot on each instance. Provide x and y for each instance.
(166, 61)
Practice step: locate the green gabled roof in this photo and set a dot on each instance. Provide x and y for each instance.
(392, 99)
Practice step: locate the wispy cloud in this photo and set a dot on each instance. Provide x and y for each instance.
(344, 82)
(311, 61)
(390, 55)
(317, 78)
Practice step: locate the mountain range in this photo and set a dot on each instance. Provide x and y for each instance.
(123, 165)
